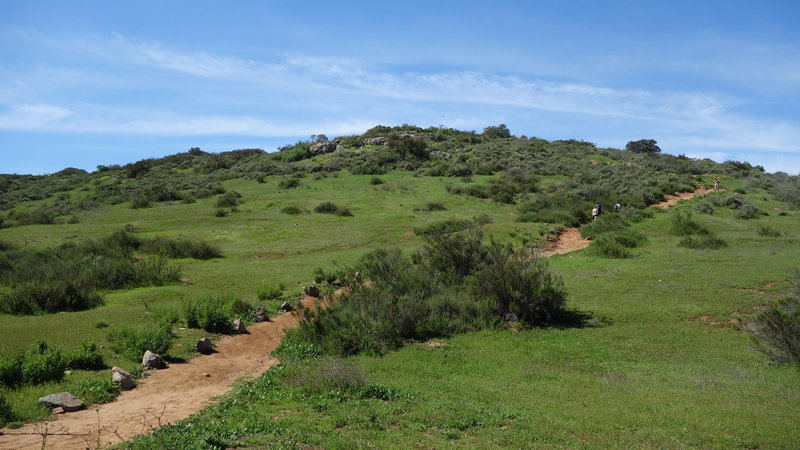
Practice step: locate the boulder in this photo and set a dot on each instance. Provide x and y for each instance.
(204, 346)
(286, 307)
(311, 291)
(237, 327)
(321, 148)
(261, 315)
(122, 377)
(64, 400)
(151, 360)
(376, 141)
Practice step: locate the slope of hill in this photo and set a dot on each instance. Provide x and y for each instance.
(658, 359)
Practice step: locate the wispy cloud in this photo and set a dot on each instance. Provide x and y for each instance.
(31, 117)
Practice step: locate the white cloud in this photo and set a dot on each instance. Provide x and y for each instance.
(30, 117)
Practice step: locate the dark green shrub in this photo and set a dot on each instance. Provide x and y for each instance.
(132, 343)
(140, 202)
(445, 226)
(746, 211)
(229, 199)
(43, 363)
(291, 209)
(289, 183)
(86, 356)
(343, 212)
(706, 241)
(434, 207)
(214, 313)
(683, 225)
(221, 213)
(6, 412)
(181, 248)
(375, 180)
(606, 223)
(768, 231)
(608, 247)
(97, 391)
(705, 208)
(776, 331)
(326, 208)
(47, 297)
(270, 291)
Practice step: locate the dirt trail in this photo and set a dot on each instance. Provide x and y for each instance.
(570, 240)
(163, 397)
(169, 395)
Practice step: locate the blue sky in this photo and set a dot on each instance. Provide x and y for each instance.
(84, 83)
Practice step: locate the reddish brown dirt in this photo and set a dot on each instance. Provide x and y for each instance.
(569, 240)
(163, 397)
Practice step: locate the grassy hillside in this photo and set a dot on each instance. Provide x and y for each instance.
(659, 361)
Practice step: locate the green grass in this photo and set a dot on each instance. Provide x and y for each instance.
(659, 365)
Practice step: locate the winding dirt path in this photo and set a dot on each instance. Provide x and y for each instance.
(163, 397)
(169, 395)
(569, 239)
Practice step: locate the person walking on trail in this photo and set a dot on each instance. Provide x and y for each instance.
(616, 207)
(599, 209)
(716, 184)
(595, 213)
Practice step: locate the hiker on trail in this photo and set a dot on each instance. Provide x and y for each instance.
(599, 209)
(595, 213)
(716, 183)
(617, 207)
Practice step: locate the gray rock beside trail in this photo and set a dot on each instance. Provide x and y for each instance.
(64, 400)
(237, 327)
(261, 315)
(311, 291)
(122, 377)
(204, 346)
(151, 360)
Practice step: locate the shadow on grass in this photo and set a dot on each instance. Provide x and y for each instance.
(577, 319)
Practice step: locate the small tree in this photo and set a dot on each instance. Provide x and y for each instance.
(643, 146)
(499, 131)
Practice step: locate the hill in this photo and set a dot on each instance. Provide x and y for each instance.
(649, 351)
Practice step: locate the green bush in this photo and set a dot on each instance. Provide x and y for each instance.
(375, 180)
(132, 343)
(707, 241)
(455, 284)
(776, 331)
(6, 412)
(608, 247)
(291, 209)
(746, 211)
(683, 225)
(214, 313)
(604, 224)
(86, 356)
(229, 199)
(768, 231)
(270, 291)
(326, 208)
(97, 391)
(289, 183)
(705, 208)
(181, 248)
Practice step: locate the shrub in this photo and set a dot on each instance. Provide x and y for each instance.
(214, 313)
(604, 224)
(776, 331)
(683, 225)
(97, 391)
(85, 356)
(221, 213)
(444, 226)
(607, 246)
(140, 202)
(343, 212)
(271, 291)
(375, 181)
(768, 231)
(705, 208)
(43, 363)
(291, 209)
(229, 199)
(326, 208)
(181, 248)
(6, 412)
(746, 211)
(289, 183)
(707, 241)
(434, 207)
(132, 343)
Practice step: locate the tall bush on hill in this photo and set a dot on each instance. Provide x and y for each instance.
(455, 283)
(776, 331)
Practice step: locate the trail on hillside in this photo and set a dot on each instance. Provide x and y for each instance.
(171, 394)
(568, 239)
(164, 397)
